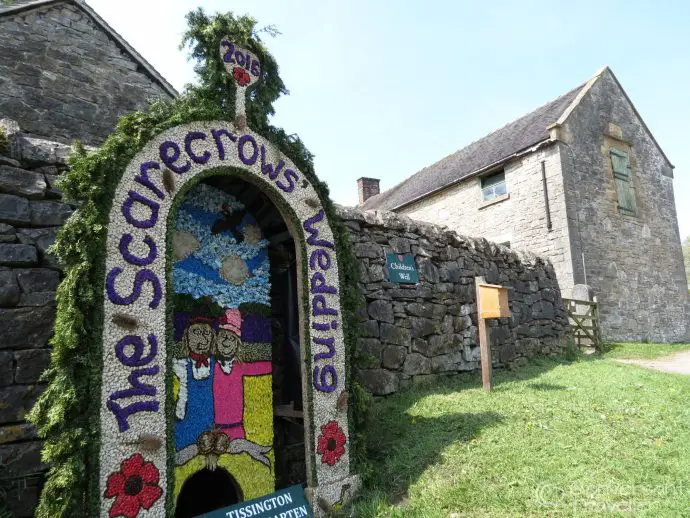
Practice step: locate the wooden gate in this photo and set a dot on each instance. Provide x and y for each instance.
(583, 317)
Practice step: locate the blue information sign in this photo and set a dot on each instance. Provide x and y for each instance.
(286, 503)
(401, 268)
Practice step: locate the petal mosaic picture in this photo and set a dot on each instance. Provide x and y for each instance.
(222, 343)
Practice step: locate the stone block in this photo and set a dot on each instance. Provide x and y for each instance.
(6, 368)
(22, 458)
(397, 335)
(371, 346)
(419, 344)
(416, 364)
(12, 254)
(450, 272)
(52, 191)
(51, 170)
(376, 273)
(381, 310)
(441, 344)
(426, 310)
(39, 298)
(24, 495)
(38, 279)
(543, 310)
(5, 160)
(17, 432)
(428, 270)
(400, 245)
(30, 364)
(26, 328)
(446, 362)
(16, 401)
(9, 289)
(380, 382)
(447, 325)
(49, 213)
(507, 353)
(422, 327)
(499, 335)
(14, 210)
(471, 354)
(462, 322)
(7, 233)
(369, 328)
(370, 250)
(393, 357)
(21, 182)
(41, 237)
(37, 152)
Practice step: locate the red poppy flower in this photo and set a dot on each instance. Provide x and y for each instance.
(331, 443)
(134, 486)
(241, 76)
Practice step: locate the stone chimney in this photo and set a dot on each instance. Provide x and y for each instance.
(367, 188)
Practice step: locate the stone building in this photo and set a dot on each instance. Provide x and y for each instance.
(65, 73)
(581, 181)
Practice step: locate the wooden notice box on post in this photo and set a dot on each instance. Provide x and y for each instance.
(492, 302)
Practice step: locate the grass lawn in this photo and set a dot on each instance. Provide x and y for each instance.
(643, 351)
(589, 438)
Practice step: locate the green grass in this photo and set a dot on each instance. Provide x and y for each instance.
(588, 438)
(642, 351)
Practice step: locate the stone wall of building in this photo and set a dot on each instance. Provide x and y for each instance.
(634, 263)
(63, 76)
(415, 332)
(518, 217)
(31, 212)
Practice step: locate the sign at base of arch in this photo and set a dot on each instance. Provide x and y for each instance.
(134, 373)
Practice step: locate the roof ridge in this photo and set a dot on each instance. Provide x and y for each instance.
(579, 87)
(482, 154)
(382, 194)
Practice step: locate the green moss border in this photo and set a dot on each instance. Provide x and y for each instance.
(67, 415)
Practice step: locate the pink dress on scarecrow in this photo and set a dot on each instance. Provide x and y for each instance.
(228, 388)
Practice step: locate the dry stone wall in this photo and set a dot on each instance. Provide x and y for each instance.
(413, 333)
(31, 212)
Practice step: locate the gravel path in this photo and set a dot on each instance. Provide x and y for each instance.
(678, 363)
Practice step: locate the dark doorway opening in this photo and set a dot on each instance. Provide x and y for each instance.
(206, 491)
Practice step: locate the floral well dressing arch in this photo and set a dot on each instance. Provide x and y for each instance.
(136, 471)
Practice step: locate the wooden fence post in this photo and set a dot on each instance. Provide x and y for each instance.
(484, 345)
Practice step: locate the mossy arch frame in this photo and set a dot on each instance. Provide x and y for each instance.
(135, 396)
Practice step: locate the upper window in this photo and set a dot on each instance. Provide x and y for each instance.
(494, 185)
(622, 174)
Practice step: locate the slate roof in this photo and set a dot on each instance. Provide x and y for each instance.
(493, 149)
(18, 6)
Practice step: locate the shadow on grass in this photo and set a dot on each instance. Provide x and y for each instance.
(401, 445)
(402, 449)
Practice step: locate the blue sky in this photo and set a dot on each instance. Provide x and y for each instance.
(384, 88)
